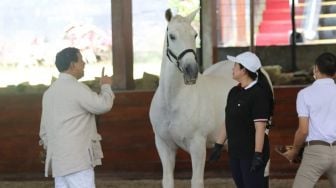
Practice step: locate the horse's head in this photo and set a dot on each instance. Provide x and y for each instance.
(181, 46)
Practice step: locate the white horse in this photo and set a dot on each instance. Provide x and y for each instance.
(188, 108)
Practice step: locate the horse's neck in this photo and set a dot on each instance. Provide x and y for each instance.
(171, 80)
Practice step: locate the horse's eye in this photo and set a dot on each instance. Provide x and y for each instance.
(172, 37)
(196, 35)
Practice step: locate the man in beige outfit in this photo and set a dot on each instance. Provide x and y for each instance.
(316, 107)
(68, 129)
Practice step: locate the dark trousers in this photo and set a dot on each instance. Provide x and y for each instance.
(242, 176)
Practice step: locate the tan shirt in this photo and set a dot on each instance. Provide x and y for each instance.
(68, 128)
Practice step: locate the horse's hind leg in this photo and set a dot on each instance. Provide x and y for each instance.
(198, 154)
(167, 155)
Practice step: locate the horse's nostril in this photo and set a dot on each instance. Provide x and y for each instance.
(191, 69)
(188, 70)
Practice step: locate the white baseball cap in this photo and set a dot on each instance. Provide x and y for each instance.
(248, 59)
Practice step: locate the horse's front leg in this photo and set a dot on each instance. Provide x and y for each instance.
(167, 153)
(198, 155)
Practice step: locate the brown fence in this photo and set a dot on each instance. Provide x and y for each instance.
(128, 139)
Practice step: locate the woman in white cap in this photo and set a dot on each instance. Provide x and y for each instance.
(249, 108)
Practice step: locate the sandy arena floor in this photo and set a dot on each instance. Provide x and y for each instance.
(105, 183)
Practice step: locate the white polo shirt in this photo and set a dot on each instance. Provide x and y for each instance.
(318, 102)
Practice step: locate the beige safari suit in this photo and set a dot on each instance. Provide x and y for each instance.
(68, 129)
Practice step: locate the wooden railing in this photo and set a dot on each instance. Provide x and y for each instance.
(128, 139)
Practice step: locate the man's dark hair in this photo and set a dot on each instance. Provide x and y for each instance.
(326, 64)
(65, 57)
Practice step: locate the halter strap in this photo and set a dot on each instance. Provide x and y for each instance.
(170, 54)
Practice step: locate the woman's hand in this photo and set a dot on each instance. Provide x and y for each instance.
(216, 152)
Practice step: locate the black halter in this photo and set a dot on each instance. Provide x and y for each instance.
(179, 57)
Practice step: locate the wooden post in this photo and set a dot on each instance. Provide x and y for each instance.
(208, 33)
(122, 44)
(240, 22)
(293, 37)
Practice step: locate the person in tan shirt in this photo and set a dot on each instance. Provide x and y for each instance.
(68, 128)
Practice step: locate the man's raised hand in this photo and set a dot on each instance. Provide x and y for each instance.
(105, 79)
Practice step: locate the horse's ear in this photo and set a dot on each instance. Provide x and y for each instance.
(192, 15)
(168, 15)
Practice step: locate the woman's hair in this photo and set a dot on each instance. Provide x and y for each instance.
(263, 83)
(326, 64)
(266, 85)
(65, 57)
(250, 74)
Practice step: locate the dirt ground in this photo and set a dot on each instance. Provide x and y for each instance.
(105, 183)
